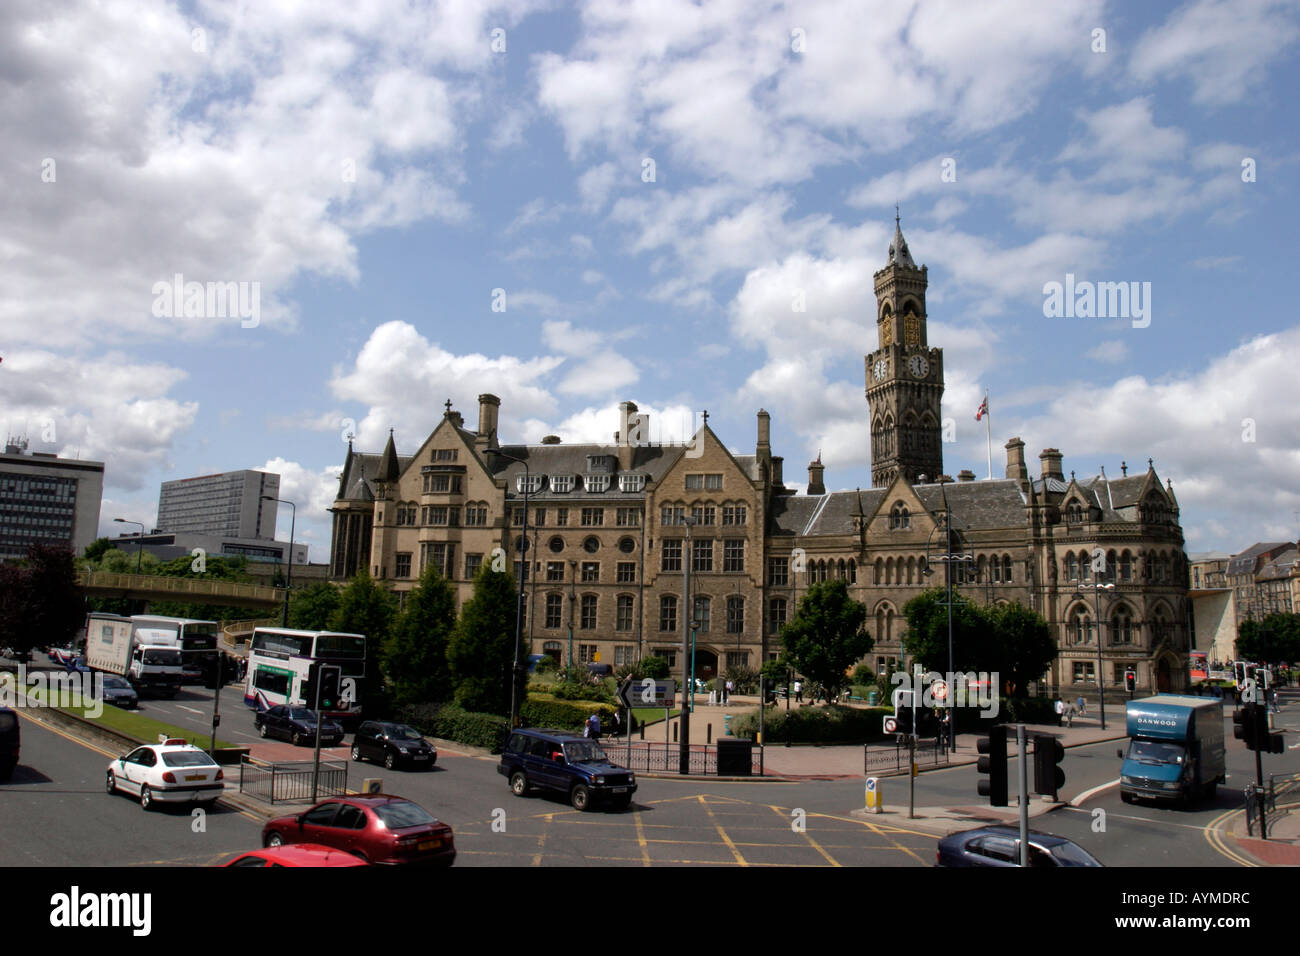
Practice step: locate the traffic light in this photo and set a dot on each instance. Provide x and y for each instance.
(1276, 745)
(1243, 725)
(1130, 681)
(1048, 775)
(323, 691)
(994, 746)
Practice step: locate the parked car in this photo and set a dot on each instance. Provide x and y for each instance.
(119, 692)
(1000, 846)
(297, 725)
(10, 741)
(301, 854)
(565, 763)
(173, 771)
(378, 828)
(393, 744)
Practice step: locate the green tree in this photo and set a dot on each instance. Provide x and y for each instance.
(926, 640)
(827, 635)
(40, 601)
(1026, 642)
(1273, 640)
(311, 608)
(655, 667)
(482, 649)
(365, 608)
(95, 550)
(415, 657)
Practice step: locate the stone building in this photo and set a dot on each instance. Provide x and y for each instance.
(609, 533)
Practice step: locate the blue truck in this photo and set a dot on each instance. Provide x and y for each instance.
(1175, 750)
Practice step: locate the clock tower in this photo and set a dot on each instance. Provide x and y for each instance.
(904, 375)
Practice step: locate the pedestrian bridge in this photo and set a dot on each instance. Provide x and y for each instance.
(195, 590)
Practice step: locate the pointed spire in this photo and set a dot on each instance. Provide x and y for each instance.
(388, 470)
(898, 254)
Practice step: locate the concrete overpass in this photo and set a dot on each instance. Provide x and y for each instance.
(195, 590)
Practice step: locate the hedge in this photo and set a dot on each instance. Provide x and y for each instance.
(814, 725)
(449, 722)
(541, 710)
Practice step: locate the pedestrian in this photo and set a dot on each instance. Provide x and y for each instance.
(595, 726)
(1060, 710)
(798, 691)
(727, 688)
(1079, 705)
(618, 724)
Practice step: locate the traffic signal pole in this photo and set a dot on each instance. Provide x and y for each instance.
(1024, 795)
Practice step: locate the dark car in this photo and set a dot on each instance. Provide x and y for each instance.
(298, 726)
(1000, 846)
(10, 735)
(377, 828)
(119, 692)
(394, 744)
(565, 763)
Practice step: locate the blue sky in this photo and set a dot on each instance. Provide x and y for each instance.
(379, 169)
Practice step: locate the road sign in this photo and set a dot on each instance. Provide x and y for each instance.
(891, 725)
(939, 690)
(647, 693)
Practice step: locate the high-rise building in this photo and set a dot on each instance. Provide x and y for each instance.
(226, 504)
(45, 499)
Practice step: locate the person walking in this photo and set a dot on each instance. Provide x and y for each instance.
(798, 691)
(1060, 711)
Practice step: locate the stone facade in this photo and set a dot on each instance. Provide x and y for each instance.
(608, 536)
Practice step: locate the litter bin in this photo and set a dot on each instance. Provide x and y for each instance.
(735, 757)
(872, 697)
(726, 724)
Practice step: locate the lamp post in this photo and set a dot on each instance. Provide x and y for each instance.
(947, 558)
(524, 558)
(288, 581)
(139, 551)
(573, 597)
(1096, 590)
(684, 759)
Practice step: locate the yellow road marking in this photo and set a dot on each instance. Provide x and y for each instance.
(541, 844)
(830, 859)
(641, 840)
(740, 860)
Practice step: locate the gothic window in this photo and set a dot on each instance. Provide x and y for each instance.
(898, 516)
(1080, 626)
(853, 571)
(889, 572)
(1121, 626)
(1071, 567)
(1126, 567)
(1006, 569)
(1073, 513)
(880, 572)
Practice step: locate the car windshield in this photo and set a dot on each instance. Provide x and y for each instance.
(1152, 751)
(1068, 854)
(302, 713)
(187, 758)
(116, 683)
(403, 732)
(584, 751)
(400, 814)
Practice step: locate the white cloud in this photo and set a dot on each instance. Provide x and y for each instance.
(1110, 351)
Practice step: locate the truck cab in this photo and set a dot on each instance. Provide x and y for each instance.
(156, 669)
(1175, 750)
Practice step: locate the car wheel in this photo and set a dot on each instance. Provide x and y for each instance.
(580, 798)
(274, 840)
(519, 784)
(110, 785)
(146, 798)
(297, 739)
(390, 761)
(1126, 797)
(261, 729)
(356, 753)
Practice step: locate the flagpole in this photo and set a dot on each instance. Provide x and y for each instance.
(988, 435)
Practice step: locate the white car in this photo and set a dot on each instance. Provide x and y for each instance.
(173, 771)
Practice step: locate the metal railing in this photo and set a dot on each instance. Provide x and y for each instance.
(893, 758)
(666, 758)
(291, 781)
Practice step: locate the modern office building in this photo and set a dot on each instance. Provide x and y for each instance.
(229, 504)
(166, 545)
(47, 499)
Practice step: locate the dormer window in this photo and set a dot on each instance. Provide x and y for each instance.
(631, 482)
(530, 484)
(899, 517)
(563, 484)
(597, 483)
(1074, 513)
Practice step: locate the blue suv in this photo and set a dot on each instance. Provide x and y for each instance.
(567, 763)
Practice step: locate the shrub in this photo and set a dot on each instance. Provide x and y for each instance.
(547, 665)
(450, 722)
(1028, 710)
(820, 725)
(574, 691)
(745, 679)
(655, 667)
(540, 711)
(863, 674)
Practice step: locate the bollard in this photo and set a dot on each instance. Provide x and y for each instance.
(875, 802)
(708, 738)
(674, 733)
(642, 728)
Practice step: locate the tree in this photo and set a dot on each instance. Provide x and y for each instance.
(311, 608)
(973, 644)
(482, 649)
(40, 601)
(368, 609)
(655, 667)
(415, 657)
(95, 550)
(1274, 640)
(1026, 642)
(827, 635)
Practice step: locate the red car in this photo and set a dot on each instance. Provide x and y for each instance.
(378, 828)
(301, 854)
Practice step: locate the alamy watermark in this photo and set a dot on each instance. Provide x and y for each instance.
(970, 689)
(1098, 300)
(179, 299)
(53, 689)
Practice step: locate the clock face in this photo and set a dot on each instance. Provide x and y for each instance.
(880, 369)
(918, 366)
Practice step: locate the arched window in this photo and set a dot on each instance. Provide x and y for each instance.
(1085, 566)
(880, 572)
(1006, 569)
(899, 517)
(1121, 626)
(1071, 567)
(911, 569)
(889, 572)
(1080, 626)
(841, 570)
(1126, 566)
(981, 569)
(884, 623)
(853, 571)
(1073, 513)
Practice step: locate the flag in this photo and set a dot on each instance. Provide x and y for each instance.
(984, 409)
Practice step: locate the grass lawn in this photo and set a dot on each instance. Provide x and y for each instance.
(652, 715)
(135, 725)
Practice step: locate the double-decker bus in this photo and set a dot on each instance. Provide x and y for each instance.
(280, 662)
(196, 639)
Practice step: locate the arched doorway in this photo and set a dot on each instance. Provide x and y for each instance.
(706, 664)
(1164, 680)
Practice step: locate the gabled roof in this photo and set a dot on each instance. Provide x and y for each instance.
(649, 460)
(1246, 561)
(978, 505)
(360, 472)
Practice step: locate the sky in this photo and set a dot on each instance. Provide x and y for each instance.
(574, 204)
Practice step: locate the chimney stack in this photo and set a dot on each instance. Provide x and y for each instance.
(629, 433)
(815, 470)
(777, 478)
(1016, 469)
(1051, 459)
(488, 408)
(965, 475)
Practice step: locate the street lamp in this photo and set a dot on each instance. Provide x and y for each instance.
(1096, 590)
(288, 583)
(139, 551)
(947, 558)
(524, 558)
(573, 585)
(684, 759)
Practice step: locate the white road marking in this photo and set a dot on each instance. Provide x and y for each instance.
(190, 709)
(1087, 794)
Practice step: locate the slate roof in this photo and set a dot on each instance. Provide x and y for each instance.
(359, 473)
(978, 505)
(1244, 563)
(649, 460)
